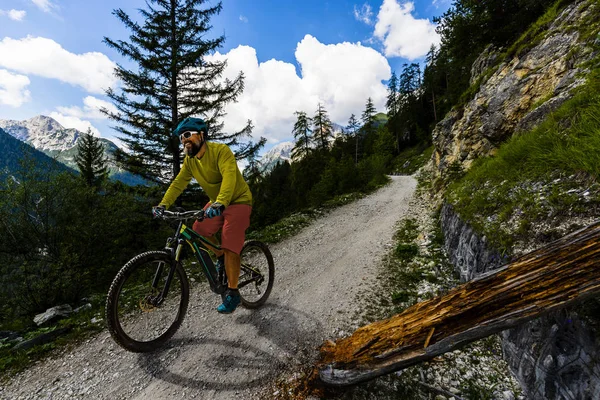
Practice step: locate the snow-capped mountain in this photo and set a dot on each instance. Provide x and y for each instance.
(279, 153)
(43, 133)
(51, 138)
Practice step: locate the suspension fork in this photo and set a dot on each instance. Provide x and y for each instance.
(165, 290)
(175, 257)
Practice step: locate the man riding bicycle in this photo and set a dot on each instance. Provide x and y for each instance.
(214, 167)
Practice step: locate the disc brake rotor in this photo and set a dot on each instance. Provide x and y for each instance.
(147, 302)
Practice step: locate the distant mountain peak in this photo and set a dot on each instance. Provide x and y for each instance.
(43, 133)
(279, 153)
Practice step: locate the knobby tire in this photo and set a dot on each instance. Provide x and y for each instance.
(267, 268)
(115, 320)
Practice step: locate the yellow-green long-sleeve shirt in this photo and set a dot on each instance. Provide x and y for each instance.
(218, 175)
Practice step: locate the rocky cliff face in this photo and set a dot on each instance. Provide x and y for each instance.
(556, 356)
(518, 93)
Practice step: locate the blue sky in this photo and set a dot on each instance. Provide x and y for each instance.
(294, 54)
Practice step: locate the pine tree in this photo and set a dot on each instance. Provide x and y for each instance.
(392, 97)
(368, 117)
(173, 80)
(323, 128)
(352, 128)
(302, 135)
(252, 174)
(90, 159)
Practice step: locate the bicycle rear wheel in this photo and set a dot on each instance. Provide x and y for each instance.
(256, 275)
(138, 317)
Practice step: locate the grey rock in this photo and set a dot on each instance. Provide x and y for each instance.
(468, 252)
(86, 306)
(504, 104)
(53, 314)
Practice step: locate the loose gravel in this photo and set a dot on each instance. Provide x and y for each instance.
(319, 273)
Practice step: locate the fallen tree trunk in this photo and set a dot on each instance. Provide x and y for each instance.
(554, 276)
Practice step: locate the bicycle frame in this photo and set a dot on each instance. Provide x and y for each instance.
(187, 235)
(175, 245)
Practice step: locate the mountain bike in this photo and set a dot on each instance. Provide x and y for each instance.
(148, 298)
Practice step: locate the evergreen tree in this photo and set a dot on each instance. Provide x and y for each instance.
(173, 80)
(429, 78)
(368, 117)
(352, 128)
(392, 98)
(302, 135)
(252, 172)
(410, 79)
(90, 159)
(323, 128)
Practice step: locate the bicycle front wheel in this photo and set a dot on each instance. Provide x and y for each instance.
(257, 274)
(142, 311)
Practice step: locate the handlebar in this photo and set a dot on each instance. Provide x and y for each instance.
(182, 215)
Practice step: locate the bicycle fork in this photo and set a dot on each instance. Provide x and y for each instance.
(157, 301)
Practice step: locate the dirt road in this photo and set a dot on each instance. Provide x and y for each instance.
(318, 275)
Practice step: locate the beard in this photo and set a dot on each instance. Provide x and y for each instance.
(193, 149)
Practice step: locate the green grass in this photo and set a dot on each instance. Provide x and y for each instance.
(13, 361)
(537, 175)
(411, 159)
(536, 32)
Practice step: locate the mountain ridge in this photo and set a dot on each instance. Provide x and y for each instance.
(48, 136)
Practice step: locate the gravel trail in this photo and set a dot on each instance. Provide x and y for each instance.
(318, 274)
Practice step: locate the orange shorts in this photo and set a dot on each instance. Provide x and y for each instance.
(234, 221)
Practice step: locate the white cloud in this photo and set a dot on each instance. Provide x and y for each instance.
(91, 109)
(45, 5)
(402, 34)
(364, 14)
(13, 90)
(243, 18)
(340, 76)
(78, 117)
(15, 15)
(441, 3)
(74, 122)
(43, 57)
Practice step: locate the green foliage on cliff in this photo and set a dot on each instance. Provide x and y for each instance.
(549, 174)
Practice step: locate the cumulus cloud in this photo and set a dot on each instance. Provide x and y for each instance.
(91, 108)
(402, 34)
(15, 15)
(69, 121)
(340, 76)
(13, 89)
(43, 57)
(45, 5)
(364, 13)
(78, 117)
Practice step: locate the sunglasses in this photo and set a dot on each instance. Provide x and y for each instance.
(187, 135)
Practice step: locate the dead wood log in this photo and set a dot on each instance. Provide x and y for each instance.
(560, 273)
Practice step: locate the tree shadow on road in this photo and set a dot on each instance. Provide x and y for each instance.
(272, 338)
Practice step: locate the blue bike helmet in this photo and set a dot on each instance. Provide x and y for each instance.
(192, 124)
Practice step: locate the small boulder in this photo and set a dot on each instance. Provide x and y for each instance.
(52, 314)
(86, 306)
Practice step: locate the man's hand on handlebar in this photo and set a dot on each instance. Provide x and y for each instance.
(158, 211)
(214, 210)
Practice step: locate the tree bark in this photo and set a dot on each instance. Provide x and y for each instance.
(554, 276)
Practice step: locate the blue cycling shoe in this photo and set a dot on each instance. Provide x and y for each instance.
(231, 300)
